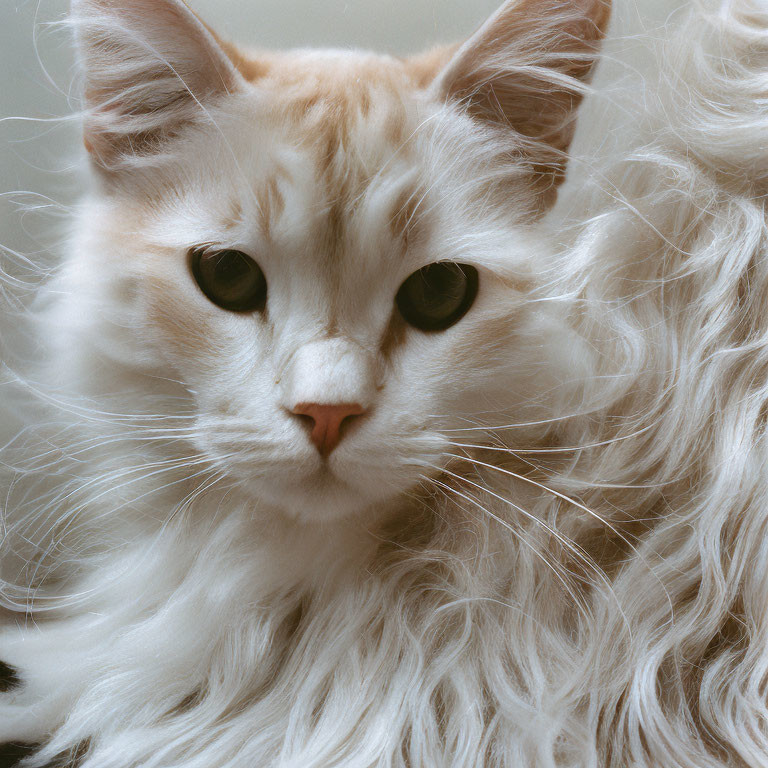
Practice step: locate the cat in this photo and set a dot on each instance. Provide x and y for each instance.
(353, 450)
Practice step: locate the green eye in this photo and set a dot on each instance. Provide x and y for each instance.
(230, 279)
(438, 295)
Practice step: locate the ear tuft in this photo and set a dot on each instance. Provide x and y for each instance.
(150, 67)
(527, 69)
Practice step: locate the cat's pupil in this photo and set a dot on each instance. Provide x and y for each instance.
(438, 295)
(230, 279)
(230, 270)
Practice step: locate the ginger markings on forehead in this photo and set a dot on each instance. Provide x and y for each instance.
(349, 112)
(350, 116)
(235, 215)
(271, 204)
(404, 221)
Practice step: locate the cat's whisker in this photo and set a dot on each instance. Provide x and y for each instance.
(74, 450)
(155, 489)
(59, 446)
(71, 599)
(71, 515)
(557, 449)
(92, 413)
(573, 502)
(578, 552)
(189, 500)
(556, 569)
(109, 478)
(512, 425)
(522, 453)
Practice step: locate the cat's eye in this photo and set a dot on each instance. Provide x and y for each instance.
(230, 279)
(438, 295)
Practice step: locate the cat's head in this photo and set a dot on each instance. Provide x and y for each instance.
(331, 250)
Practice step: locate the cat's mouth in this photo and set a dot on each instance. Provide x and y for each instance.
(327, 490)
(319, 496)
(362, 475)
(325, 478)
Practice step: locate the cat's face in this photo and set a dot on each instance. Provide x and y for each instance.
(332, 258)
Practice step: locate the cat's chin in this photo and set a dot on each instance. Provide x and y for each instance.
(323, 497)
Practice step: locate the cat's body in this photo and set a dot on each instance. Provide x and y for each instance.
(522, 548)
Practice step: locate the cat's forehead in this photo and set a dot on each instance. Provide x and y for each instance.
(327, 160)
(347, 81)
(338, 155)
(345, 106)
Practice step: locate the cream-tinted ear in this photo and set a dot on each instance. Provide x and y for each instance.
(150, 67)
(526, 69)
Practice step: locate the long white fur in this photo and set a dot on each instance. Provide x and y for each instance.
(607, 609)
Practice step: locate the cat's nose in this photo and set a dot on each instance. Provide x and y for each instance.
(328, 422)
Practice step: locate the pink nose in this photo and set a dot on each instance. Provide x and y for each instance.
(327, 421)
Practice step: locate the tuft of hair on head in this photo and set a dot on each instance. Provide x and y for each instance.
(526, 70)
(150, 67)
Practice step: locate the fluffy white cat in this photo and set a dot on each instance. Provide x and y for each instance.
(351, 451)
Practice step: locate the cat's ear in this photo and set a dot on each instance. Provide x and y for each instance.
(526, 69)
(150, 67)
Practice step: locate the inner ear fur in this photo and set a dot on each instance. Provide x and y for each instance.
(150, 66)
(526, 69)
